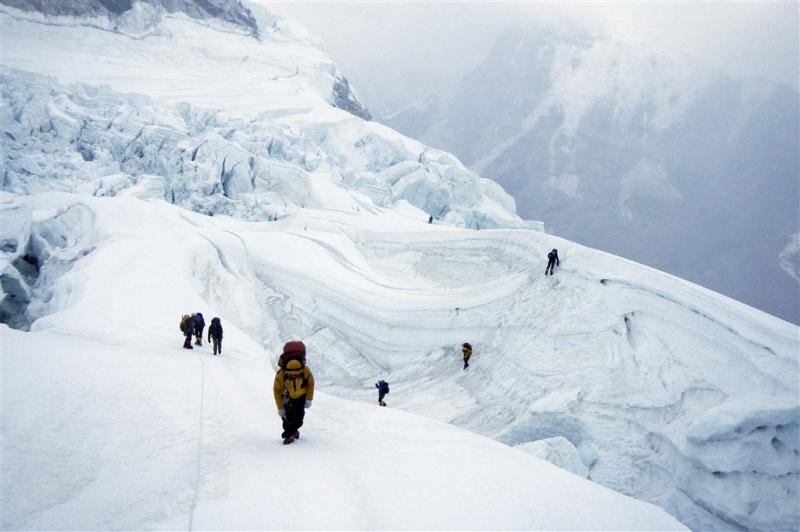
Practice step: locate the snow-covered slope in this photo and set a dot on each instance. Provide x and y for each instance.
(291, 218)
(101, 142)
(246, 63)
(266, 134)
(662, 390)
(109, 424)
(641, 154)
(118, 15)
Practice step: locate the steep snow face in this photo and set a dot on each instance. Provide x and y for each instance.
(229, 124)
(634, 153)
(95, 141)
(268, 144)
(637, 380)
(228, 11)
(666, 391)
(178, 56)
(103, 433)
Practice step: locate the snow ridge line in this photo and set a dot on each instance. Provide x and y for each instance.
(65, 21)
(691, 308)
(77, 23)
(199, 441)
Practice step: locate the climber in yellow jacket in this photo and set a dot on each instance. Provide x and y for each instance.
(293, 389)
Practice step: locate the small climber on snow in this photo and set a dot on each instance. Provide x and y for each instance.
(383, 389)
(199, 325)
(215, 335)
(293, 389)
(552, 261)
(466, 350)
(187, 328)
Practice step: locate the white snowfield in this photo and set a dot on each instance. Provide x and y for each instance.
(219, 65)
(270, 143)
(642, 373)
(109, 424)
(122, 211)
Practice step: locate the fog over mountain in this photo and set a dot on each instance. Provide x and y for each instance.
(399, 52)
(667, 134)
(636, 153)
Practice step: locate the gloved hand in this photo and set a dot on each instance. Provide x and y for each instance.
(308, 403)
(282, 413)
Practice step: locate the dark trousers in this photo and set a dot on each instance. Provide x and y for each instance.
(466, 363)
(187, 343)
(217, 345)
(381, 395)
(295, 412)
(550, 265)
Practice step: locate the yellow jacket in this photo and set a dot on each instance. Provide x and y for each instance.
(295, 384)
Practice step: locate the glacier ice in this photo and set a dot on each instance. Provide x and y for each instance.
(292, 218)
(93, 140)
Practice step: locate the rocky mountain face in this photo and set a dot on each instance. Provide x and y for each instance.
(635, 153)
(230, 11)
(344, 98)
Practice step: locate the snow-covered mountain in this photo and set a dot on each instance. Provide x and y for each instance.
(226, 72)
(147, 175)
(115, 15)
(109, 424)
(266, 138)
(634, 152)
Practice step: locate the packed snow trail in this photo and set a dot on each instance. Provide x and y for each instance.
(647, 393)
(98, 435)
(661, 389)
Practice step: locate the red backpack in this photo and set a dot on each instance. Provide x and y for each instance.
(294, 350)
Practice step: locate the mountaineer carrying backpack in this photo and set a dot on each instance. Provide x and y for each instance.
(215, 334)
(293, 389)
(466, 351)
(383, 389)
(187, 328)
(199, 325)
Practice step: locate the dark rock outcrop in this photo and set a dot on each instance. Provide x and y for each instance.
(230, 11)
(344, 98)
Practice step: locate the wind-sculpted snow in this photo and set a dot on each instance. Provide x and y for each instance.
(108, 424)
(236, 187)
(640, 381)
(95, 141)
(640, 372)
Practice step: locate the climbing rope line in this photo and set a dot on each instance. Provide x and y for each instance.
(199, 441)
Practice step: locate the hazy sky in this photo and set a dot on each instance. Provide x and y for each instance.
(396, 52)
